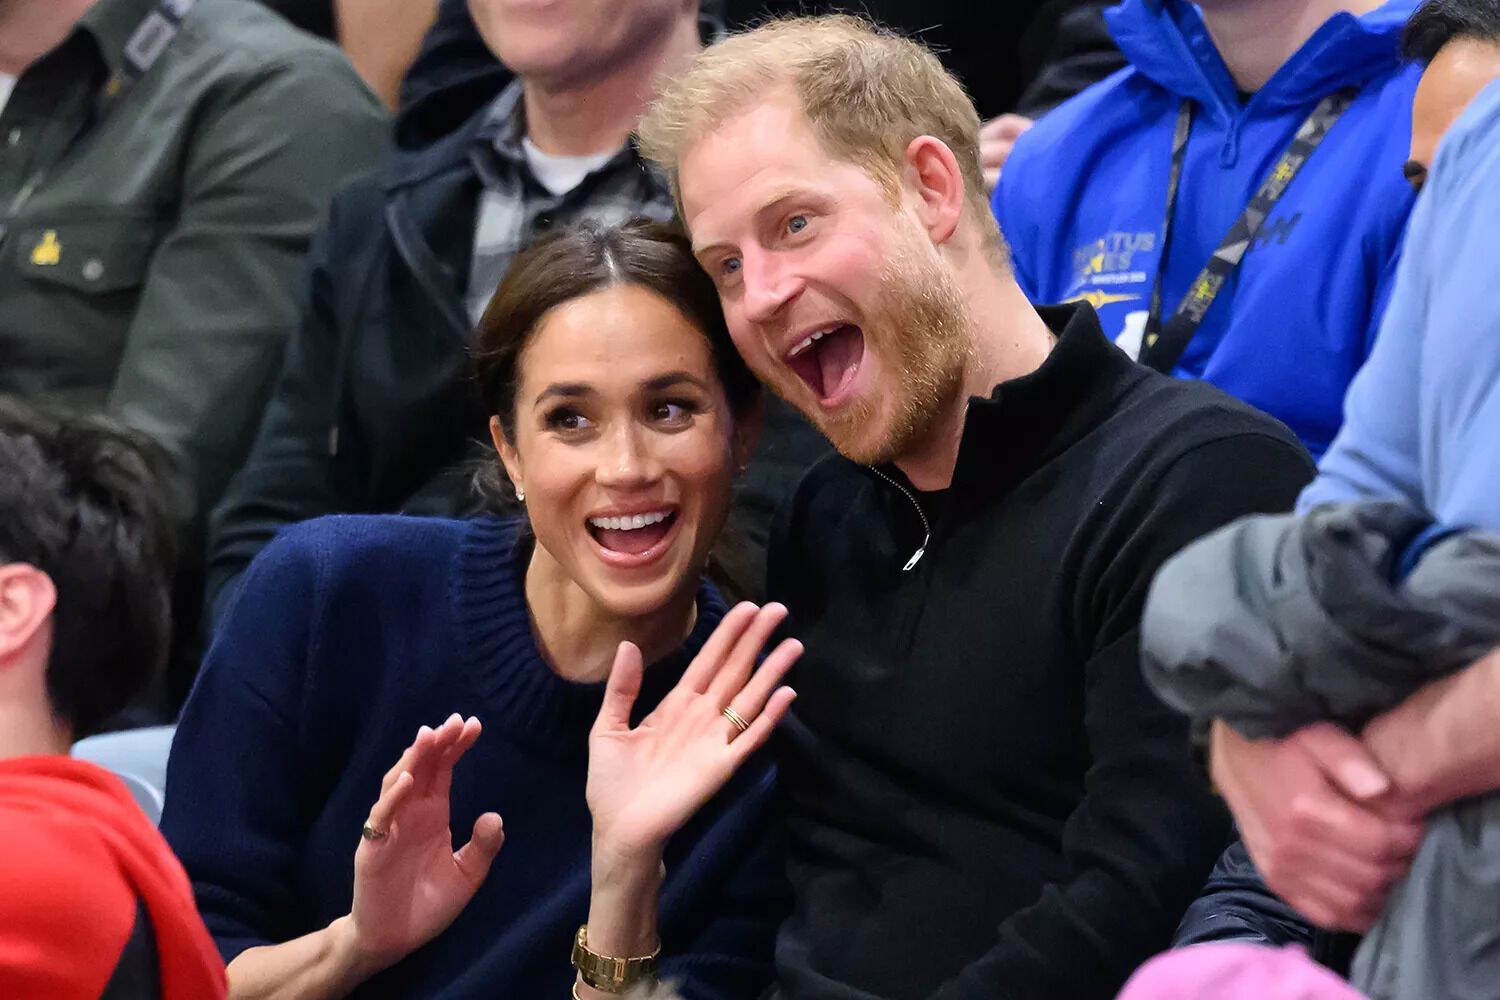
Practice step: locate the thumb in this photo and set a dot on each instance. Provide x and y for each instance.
(620, 693)
(475, 857)
(1345, 760)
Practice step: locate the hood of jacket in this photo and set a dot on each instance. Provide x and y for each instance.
(1168, 42)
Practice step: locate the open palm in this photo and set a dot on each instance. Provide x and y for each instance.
(645, 783)
(410, 884)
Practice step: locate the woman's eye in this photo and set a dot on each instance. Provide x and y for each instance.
(672, 412)
(729, 265)
(567, 419)
(796, 224)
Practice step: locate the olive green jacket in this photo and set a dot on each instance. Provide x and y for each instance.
(154, 271)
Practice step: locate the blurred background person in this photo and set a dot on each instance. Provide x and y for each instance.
(94, 904)
(162, 168)
(1205, 200)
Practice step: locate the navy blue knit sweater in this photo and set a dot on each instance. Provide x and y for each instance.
(348, 634)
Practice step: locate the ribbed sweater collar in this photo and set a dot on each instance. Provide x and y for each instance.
(504, 667)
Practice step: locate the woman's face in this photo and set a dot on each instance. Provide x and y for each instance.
(624, 446)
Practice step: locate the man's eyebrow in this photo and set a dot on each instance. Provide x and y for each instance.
(565, 389)
(770, 206)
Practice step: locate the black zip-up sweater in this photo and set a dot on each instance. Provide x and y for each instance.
(984, 799)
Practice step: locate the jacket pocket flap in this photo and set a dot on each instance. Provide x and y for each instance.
(106, 254)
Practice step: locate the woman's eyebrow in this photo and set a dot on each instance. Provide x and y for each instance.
(566, 389)
(670, 379)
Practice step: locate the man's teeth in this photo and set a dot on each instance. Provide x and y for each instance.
(813, 339)
(630, 522)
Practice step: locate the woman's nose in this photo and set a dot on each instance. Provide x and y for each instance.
(627, 459)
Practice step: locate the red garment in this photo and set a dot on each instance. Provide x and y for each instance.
(76, 853)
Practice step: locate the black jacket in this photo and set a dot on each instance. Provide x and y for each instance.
(984, 798)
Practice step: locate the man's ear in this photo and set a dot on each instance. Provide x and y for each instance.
(932, 175)
(27, 600)
(509, 457)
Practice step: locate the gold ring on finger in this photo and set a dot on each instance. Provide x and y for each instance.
(369, 832)
(737, 720)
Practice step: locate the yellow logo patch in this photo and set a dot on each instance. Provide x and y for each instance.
(48, 252)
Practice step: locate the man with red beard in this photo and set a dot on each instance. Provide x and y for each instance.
(984, 798)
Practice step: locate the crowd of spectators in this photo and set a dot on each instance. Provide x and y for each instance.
(950, 500)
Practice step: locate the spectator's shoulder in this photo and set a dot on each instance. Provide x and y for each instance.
(1182, 415)
(343, 552)
(1087, 118)
(241, 41)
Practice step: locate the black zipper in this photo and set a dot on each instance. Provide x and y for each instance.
(926, 528)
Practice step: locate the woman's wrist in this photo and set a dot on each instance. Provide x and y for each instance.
(623, 901)
(349, 955)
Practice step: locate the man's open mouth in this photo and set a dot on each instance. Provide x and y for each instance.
(632, 534)
(828, 359)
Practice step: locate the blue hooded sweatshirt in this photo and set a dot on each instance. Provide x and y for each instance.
(1082, 202)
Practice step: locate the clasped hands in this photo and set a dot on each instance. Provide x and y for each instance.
(644, 783)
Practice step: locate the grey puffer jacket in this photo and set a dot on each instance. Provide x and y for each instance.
(1275, 622)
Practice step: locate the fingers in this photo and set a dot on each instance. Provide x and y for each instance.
(475, 857)
(752, 739)
(751, 700)
(1344, 759)
(735, 671)
(621, 691)
(383, 815)
(1346, 828)
(468, 731)
(700, 673)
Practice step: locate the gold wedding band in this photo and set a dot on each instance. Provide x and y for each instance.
(736, 719)
(368, 832)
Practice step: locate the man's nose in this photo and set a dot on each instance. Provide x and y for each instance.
(769, 286)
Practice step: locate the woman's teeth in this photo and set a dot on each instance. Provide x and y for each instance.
(629, 522)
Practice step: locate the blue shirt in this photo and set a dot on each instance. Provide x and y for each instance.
(1422, 420)
(348, 634)
(1082, 202)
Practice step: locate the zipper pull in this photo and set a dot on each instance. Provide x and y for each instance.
(915, 558)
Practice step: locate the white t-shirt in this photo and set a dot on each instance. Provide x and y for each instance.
(561, 174)
(7, 84)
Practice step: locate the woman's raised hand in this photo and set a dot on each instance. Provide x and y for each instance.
(645, 783)
(409, 883)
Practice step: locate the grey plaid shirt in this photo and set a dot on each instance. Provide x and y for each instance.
(515, 208)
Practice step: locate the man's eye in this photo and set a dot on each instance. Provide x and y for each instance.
(796, 223)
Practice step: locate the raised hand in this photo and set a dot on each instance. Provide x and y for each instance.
(645, 783)
(409, 883)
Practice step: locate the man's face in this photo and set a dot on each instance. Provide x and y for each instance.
(836, 298)
(572, 41)
(1459, 71)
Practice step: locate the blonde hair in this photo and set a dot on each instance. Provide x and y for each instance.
(866, 92)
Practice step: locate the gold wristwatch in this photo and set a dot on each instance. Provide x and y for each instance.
(610, 975)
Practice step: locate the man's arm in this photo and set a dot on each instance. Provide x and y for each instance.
(288, 475)
(1148, 831)
(1443, 743)
(220, 294)
(1376, 453)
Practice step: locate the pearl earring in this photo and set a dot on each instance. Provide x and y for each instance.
(520, 494)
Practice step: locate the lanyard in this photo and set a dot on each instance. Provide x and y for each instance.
(144, 47)
(1163, 346)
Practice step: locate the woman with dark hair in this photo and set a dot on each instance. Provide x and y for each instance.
(632, 797)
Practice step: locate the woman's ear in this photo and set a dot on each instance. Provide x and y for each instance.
(747, 433)
(933, 176)
(509, 457)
